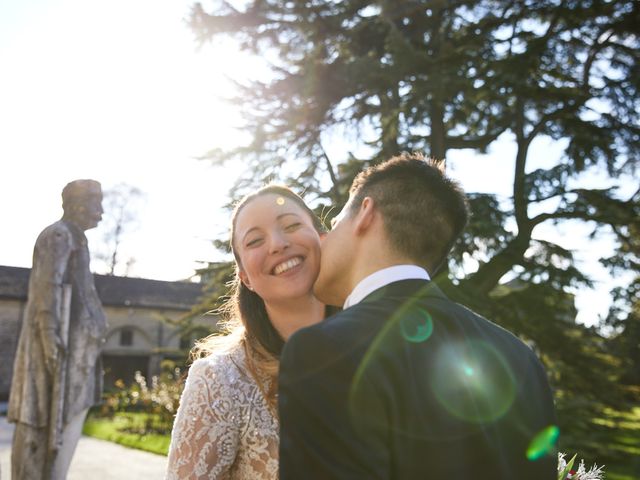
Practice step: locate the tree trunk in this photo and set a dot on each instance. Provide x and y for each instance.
(438, 133)
(390, 123)
(490, 273)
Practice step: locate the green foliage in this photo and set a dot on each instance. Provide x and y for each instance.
(218, 278)
(377, 70)
(140, 415)
(159, 400)
(611, 439)
(435, 76)
(626, 346)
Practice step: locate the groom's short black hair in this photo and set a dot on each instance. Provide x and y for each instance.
(424, 211)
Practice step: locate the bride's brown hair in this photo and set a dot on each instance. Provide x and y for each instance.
(245, 319)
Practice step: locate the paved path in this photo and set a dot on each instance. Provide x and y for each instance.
(94, 460)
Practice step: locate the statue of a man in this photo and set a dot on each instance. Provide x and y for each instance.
(57, 372)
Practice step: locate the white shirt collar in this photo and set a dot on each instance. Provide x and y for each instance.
(384, 277)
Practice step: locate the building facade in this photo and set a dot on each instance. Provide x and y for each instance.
(146, 323)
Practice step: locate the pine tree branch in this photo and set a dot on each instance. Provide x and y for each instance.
(520, 195)
(332, 174)
(560, 214)
(597, 48)
(478, 142)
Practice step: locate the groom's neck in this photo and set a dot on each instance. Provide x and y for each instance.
(373, 256)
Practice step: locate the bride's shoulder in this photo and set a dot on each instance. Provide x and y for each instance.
(222, 366)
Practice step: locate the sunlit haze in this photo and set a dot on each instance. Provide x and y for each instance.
(118, 92)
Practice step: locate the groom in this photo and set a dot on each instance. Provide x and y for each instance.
(404, 383)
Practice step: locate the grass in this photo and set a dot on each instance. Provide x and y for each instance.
(118, 430)
(612, 439)
(623, 432)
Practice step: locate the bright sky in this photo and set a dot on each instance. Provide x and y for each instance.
(115, 91)
(119, 92)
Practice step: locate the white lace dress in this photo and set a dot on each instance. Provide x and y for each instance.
(223, 428)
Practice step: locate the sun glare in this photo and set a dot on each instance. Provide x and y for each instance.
(113, 93)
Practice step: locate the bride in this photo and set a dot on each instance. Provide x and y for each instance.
(226, 426)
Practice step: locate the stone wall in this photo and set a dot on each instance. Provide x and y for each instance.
(11, 312)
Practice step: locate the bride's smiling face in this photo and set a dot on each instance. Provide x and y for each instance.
(277, 247)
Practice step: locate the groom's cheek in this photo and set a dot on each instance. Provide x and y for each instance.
(325, 241)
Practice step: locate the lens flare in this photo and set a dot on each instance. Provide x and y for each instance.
(543, 442)
(416, 326)
(409, 323)
(473, 382)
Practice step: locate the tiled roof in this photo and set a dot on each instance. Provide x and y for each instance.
(115, 291)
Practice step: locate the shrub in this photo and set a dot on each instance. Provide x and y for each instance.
(159, 400)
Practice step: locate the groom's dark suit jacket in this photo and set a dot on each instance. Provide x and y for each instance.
(409, 385)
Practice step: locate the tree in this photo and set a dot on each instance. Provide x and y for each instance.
(386, 72)
(624, 315)
(120, 218)
(438, 76)
(568, 73)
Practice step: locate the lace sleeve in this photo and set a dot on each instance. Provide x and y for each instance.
(206, 432)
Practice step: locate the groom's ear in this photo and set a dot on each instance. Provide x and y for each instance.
(365, 216)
